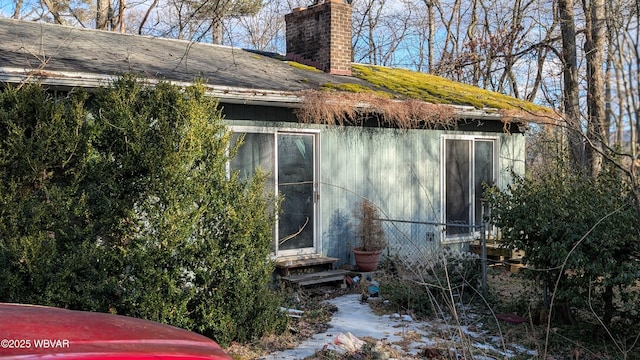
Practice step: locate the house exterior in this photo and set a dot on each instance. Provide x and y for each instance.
(426, 177)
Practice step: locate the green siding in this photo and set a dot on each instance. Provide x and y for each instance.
(399, 170)
(396, 169)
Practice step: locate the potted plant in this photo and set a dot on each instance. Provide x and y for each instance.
(371, 236)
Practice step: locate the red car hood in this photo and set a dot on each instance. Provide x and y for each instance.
(28, 331)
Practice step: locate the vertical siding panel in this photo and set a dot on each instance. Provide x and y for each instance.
(396, 169)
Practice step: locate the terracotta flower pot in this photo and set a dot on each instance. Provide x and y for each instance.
(367, 260)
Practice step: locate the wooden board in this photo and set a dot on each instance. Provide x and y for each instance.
(317, 277)
(496, 250)
(294, 263)
(285, 265)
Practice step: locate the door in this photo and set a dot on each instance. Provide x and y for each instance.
(289, 158)
(296, 181)
(469, 164)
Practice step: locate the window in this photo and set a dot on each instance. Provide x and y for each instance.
(468, 164)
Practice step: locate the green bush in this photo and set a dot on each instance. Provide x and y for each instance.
(43, 224)
(577, 229)
(121, 201)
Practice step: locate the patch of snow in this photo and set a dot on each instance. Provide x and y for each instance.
(473, 334)
(523, 350)
(357, 319)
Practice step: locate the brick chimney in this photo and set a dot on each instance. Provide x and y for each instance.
(320, 36)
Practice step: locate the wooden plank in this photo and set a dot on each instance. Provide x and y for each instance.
(304, 262)
(322, 280)
(493, 250)
(317, 277)
(285, 265)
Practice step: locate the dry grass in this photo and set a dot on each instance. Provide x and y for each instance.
(345, 108)
(410, 100)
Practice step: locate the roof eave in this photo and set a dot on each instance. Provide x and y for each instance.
(64, 80)
(226, 94)
(470, 112)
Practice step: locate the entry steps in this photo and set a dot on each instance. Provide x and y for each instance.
(320, 277)
(310, 270)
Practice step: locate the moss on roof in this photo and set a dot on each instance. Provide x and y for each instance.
(438, 90)
(302, 66)
(383, 88)
(357, 88)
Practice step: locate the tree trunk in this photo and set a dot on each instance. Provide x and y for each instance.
(609, 309)
(594, 50)
(121, 11)
(216, 31)
(431, 36)
(472, 41)
(17, 9)
(570, 74)
(54, 11)
(103, 8)
(146, 16)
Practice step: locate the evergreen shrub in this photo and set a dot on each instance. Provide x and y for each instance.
(121, 201)
(579, 232)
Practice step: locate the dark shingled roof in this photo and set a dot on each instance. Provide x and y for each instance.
(30, 46)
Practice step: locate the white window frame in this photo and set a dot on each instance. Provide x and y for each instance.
(443, 150)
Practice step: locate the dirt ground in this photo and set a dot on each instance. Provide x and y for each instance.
(500, 325)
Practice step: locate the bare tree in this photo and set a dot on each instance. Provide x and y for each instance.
(367, 16)
(571, 106)
(103, 10)
(381, 31)
(120, 25)
(594, 48)
(624, 57)
(17, 8)
(264, 31)
(146, 16)
(55, 9)
(207, 16)
(430, 33)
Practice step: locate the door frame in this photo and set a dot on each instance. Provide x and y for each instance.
(471, 235)
(315, 134)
